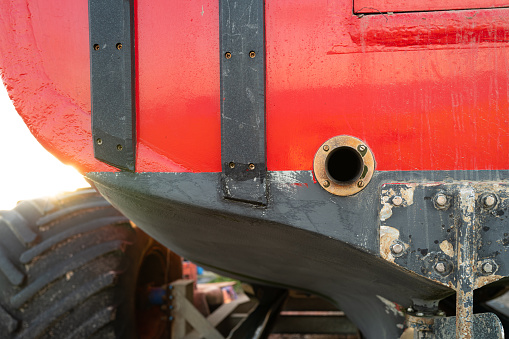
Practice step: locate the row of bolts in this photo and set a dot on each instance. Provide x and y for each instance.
(441, 201)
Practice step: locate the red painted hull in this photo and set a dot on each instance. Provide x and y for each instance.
(425, 90)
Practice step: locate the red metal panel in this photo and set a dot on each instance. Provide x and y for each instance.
(384, 6)
(426, 91)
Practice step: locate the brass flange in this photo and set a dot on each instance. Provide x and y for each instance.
(344, 165)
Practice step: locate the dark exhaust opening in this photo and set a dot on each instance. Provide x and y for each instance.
(344, 165)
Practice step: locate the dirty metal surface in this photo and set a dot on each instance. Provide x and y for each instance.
(451, 233)
(485, 326)
(242, 55)
(112, 80)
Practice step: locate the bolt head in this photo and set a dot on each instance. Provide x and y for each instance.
(397, 200)
(441, 200)
(397, 248)
(440, 267)
(326, 183)
(487, 268)
(489, 200)
(326, 148)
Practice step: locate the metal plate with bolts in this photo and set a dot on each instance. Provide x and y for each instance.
(452, 233)
(112, 79)
(344, 165)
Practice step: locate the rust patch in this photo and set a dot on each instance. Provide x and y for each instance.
(388, 235)
(385, 212)
(485, 280)
(447, 248)
(408, 194)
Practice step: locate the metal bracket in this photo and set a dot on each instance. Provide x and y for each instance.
(243, 153)
(451, 233)
(112, 78)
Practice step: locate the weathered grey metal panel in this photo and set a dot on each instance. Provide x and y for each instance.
(113, 81)
(242, 57)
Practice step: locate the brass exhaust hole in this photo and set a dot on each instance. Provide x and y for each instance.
(344, 165)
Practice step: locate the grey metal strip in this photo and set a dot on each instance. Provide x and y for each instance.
(243, 154)
(112, 78)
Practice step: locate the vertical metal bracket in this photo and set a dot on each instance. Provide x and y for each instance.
(242, 54)
(112, 78)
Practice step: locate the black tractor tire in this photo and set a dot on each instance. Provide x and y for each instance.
(70, 268)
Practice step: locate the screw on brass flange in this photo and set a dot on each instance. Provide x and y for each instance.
(228, 55)
(362, 148)
(360, 183)
(326, 183)
(326, 148)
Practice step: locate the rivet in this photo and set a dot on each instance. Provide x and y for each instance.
(397, 248)
(228, 55)
(96, 47)
(362, 148)
(397, 200)
(326, 148)
(326, 183)
(487, 268)
(252, 54)
(99, 141)
(441, 200)
(119, 46)
(231, 164)
(251, 167)
(440, 267)
(119, 147)
(489, 200)
(360, 183)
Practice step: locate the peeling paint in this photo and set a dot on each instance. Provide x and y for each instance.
(408, 194)
(386, 212)
(447, 248)
(388, 235)
(485, 280)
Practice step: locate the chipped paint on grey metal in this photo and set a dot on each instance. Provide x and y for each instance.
(466, 256)
(461, 237)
